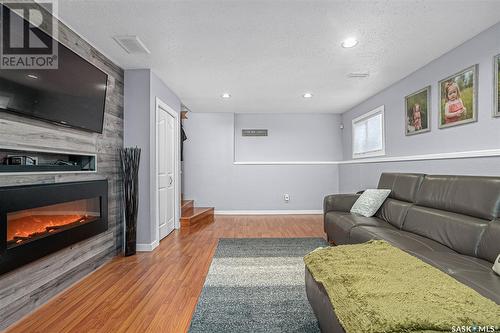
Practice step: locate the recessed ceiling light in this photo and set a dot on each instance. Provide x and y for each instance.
(349, 42)
(226, 95)
(358, 74)
(307, 95)
(32, 76)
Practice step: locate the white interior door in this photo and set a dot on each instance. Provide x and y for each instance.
(165, 130)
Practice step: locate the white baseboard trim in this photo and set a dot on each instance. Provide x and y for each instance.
(146, 247)
(268, 212)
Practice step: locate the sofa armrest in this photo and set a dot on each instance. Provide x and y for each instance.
(339, 202)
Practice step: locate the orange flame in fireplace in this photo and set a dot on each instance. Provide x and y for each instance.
(28, 227)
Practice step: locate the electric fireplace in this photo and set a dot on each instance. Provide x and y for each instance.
(36, 220)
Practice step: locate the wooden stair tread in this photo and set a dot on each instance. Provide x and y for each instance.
(196, 211)
(196, 215)
(186, 205)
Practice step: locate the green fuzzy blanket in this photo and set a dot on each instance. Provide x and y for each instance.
(375, 287)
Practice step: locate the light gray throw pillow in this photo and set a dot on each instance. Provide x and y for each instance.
(369, 202)
(496, 265)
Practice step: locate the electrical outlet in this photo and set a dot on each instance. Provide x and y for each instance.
(286, 197)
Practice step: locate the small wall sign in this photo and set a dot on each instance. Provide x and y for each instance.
(253, 132)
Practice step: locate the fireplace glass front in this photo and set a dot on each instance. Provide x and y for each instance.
(40, 219)
(27, 225)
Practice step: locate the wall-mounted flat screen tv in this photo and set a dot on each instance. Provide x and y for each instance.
(72, 95)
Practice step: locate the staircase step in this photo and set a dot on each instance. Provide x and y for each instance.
(197, 215)
(186, 205)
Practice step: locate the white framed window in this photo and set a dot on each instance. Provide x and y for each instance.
(368, 134)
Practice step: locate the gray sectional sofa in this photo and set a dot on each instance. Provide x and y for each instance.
(450, 222)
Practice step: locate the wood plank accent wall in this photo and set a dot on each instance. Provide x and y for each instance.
(28, 287)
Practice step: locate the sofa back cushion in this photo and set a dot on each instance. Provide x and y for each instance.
(489, 246)
(459, 232)
(394, 211)
(474, 196)
(403, 186)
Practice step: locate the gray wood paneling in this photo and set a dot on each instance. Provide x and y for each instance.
(23, 290)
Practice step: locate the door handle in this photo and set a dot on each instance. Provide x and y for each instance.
(171, 180)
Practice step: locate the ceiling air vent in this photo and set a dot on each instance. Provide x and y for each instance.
(358, 74)
(131, 44)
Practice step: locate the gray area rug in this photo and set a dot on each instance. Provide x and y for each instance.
(257, 285)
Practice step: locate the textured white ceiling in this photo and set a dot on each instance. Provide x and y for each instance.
(266, 54)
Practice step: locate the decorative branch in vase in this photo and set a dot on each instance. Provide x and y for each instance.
(130, 158)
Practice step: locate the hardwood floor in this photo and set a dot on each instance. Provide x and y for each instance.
(156, 291)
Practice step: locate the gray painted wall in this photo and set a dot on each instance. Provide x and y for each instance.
(355, 177)
(136, 129)
(483, 134)
(211, 178)
(142, 87)
(291, 137)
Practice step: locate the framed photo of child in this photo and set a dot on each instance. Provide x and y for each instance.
(458, 98)
(496, 86)
(417, 111)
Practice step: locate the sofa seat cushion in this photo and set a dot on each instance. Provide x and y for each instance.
(399, 238)
(321, 305)
(452, 262)
(377, 287)
(473, 272)
(338, 226)
(487, 283)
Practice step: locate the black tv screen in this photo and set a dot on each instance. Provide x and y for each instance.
(73, 95)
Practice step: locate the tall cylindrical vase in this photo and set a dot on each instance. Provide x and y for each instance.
(129, 158)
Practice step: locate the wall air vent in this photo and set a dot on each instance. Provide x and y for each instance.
(132, 44)
(358, 74)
